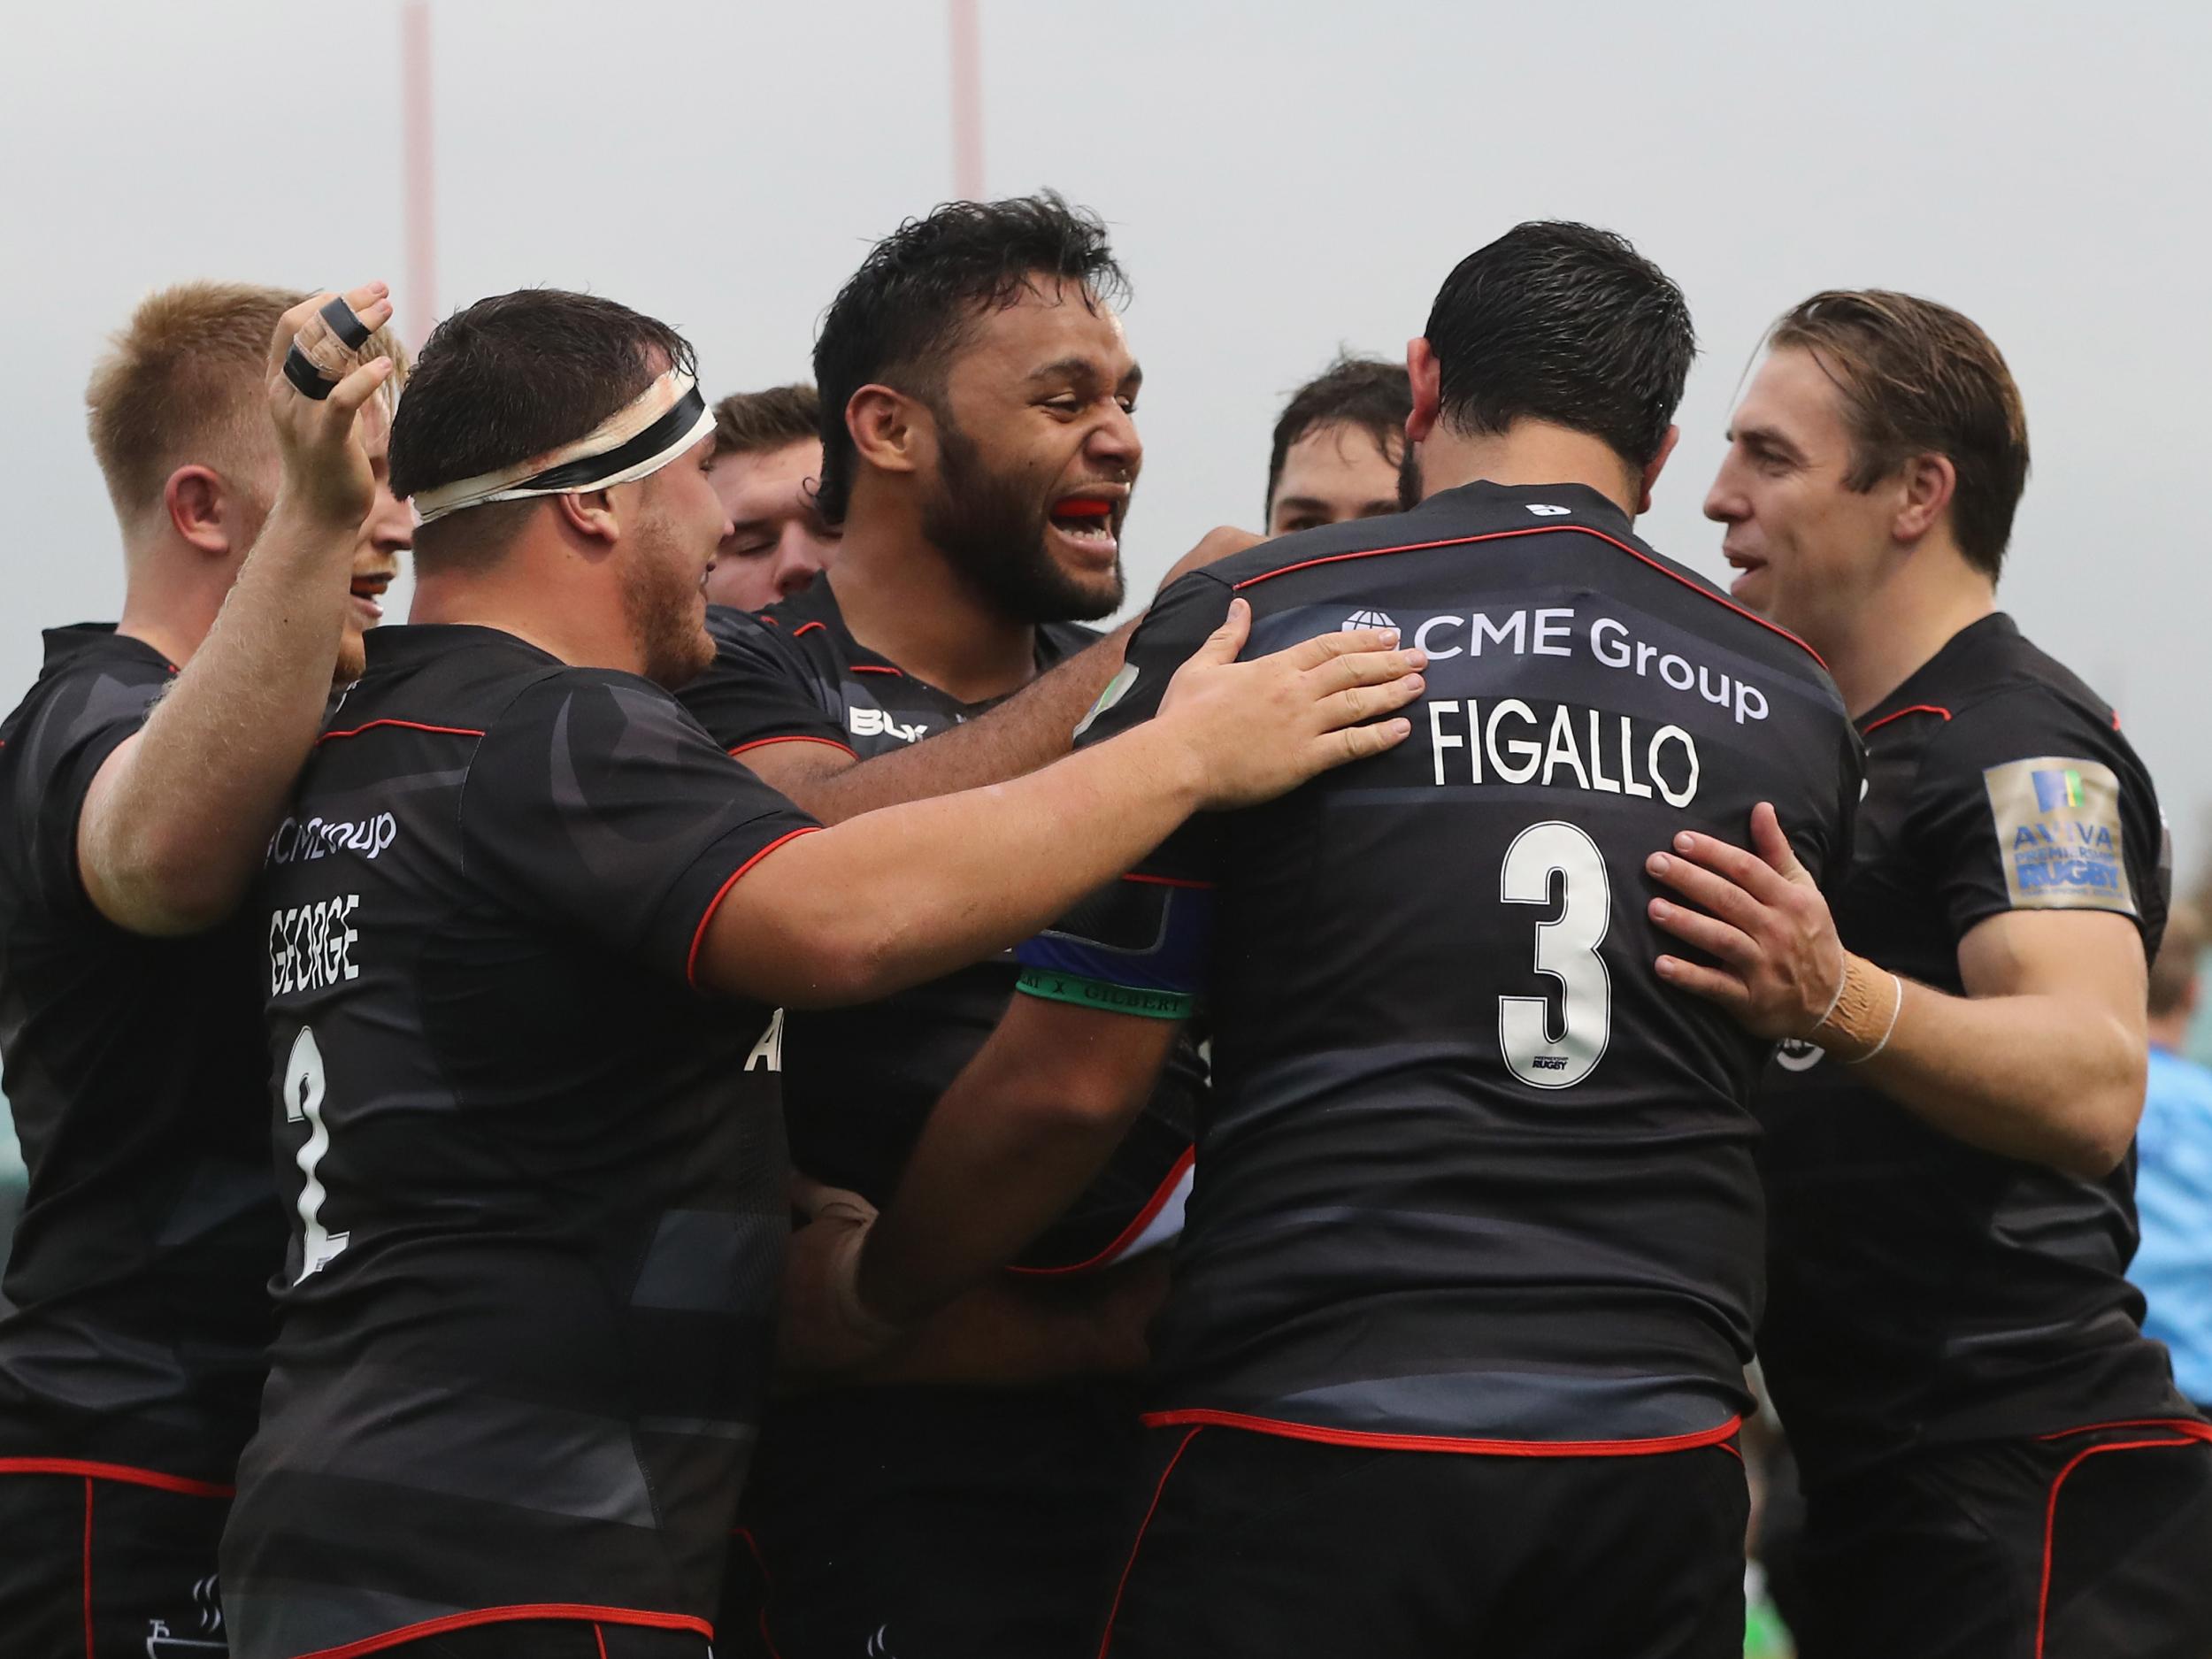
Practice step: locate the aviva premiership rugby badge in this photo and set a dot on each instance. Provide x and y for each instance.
(2058, 834)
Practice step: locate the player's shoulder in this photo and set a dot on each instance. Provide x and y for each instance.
(454, 679)
(1995, 691)
(91, 677)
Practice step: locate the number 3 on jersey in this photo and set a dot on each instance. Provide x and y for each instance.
(303, 1099)
(1567, 949)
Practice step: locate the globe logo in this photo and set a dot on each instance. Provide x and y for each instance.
(1796, 1056)
(1360, 619)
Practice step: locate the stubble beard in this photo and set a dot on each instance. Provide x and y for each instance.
(667, 613)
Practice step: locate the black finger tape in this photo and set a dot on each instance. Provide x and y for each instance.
(304, 375)
(352, 333)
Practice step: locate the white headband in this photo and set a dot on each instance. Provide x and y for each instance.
(639, 439)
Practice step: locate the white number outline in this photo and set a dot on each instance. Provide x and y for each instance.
(1581, 867)
(304, 1085)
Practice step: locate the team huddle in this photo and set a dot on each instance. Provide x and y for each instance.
(745, 1082)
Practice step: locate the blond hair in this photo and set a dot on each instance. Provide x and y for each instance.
(183, 383)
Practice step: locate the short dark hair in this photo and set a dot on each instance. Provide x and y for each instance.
(1919, 378)
(1568, 324)
(1371, 394)
(752, 423)
(511, 377)
(907, 310)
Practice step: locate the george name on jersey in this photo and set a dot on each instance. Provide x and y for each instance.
(1509, 740)
(311, 946)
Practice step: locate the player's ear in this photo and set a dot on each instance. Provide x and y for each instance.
(890, 430)
(1428, 395)
(590, 513)
(201, 508)
(1929, 482)
(1653, 467)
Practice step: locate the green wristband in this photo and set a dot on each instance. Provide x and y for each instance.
(1107, 998)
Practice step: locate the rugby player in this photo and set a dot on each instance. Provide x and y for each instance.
(767, 456)
(536, 1178)
(1452, 1360)
(985, 392)
(140, 780)
(1338, 446)
(1997, 1462)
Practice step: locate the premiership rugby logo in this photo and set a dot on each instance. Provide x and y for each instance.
(2059, 838)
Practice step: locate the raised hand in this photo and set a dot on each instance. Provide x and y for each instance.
(327, 468)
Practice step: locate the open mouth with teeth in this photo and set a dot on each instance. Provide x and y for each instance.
(1087, 521)
(368, 594)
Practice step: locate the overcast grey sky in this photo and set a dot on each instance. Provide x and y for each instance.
(1282, 178)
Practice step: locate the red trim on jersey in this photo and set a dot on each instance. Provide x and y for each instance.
(91, 1652)
(1447, 1443)
(1549, 529)
(795, 737)
(1106, 1644)
(767, 1586)
(2050, 1509)
(1169, 881)
(699, 933)
(409, 725)
(2115, 719)
(1918, 708)
(871, 668)
(763, 616)
(2191, 1426)
(1129, 1235)
(549, 1611)
(808, 627)
(122, 1472)
(600, 1637)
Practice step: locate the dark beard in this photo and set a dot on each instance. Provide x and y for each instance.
(993, 530)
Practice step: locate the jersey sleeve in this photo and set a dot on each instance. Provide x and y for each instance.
(2027, 802)
(597, 803)
(1140, 945)
(61, 751)
(759, 690)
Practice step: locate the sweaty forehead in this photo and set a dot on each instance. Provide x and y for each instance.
(1791, 394)
(1045, 326)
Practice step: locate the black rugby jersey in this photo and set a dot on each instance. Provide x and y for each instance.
(1474, 1178)
(859, 1082)
(535, 1179)
(1923, 1290)
(137, 1314)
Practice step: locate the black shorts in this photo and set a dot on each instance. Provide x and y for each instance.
(920, 1522)
(2093, 1544)
(1261, 1547)
(106, 1566)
